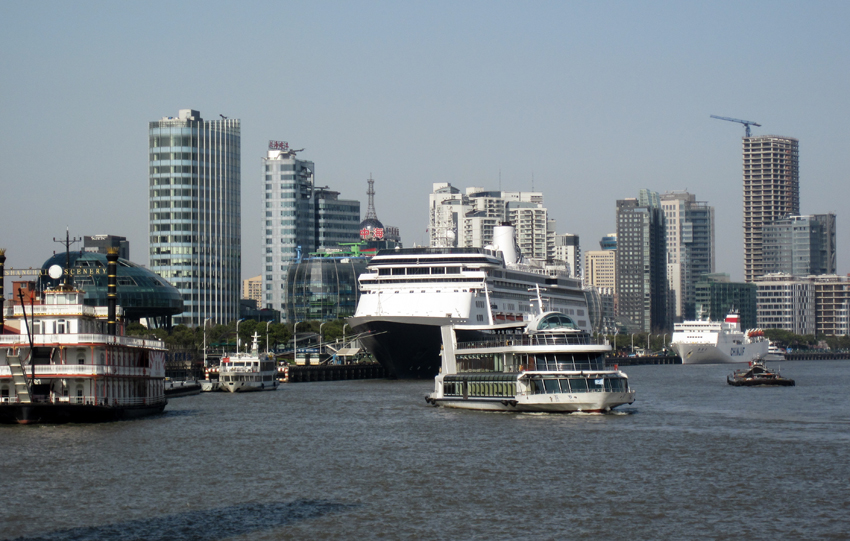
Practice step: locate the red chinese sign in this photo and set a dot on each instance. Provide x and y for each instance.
(278, 145)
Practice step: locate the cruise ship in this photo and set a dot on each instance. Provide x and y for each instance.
(407, 295)
(714, 342)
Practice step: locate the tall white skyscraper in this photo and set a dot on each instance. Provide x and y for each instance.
(195, 206)
(298, 218)
(690, 248)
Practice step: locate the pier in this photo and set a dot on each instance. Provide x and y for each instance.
(335, 372)
(634, 361)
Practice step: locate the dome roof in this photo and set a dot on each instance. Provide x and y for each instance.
(141, 292)
(371, 223)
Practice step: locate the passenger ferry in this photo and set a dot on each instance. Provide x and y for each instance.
(714, 342)
(62, 361)
(407, 295)
(547, 364)
(247, 372)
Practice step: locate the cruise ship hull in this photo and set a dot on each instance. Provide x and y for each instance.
(407, 347)
(695, 353)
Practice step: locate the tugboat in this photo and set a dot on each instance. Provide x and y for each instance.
(758, 374)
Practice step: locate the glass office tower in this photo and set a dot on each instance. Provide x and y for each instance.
(195, 213)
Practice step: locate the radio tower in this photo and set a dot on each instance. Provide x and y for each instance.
(370, 211)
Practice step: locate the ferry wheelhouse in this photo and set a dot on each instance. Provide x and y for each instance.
(547, 364)
(63, 361)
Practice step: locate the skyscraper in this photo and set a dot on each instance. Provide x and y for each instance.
(468, 219)
(800, 245)
(299, 218)
(641, 276)
(195, 213)
(771, 192)
(690, 248)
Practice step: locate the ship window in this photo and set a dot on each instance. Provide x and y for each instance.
(565, 386)
(551, 386)
(397, 272)
(578, 385)
(36, 327)
(60, 326)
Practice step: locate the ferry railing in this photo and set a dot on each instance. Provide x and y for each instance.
(75, 338)
(536, 340)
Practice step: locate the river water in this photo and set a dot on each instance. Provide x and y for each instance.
(692, 458)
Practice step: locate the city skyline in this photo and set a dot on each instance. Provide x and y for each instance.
(583, 103)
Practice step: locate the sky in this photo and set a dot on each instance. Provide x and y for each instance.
(585, 101)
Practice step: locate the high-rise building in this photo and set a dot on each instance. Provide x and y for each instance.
(467, 219)
(568, 249)
(800, 245)
(102, 243)
(716, 296)
(642, 263)
(600, 268)
(690, 248)
(195, 206)
(299, 218)
(771, 192)
(609, 242)
(252, 288)
(786, 302)
(832, 303)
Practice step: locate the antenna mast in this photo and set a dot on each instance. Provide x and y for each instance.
(370, 211)
(67, 242)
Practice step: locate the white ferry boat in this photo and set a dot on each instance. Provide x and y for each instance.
(247, 372)
(406, 295)
(62, 361)
(714, 342)
(545, 365)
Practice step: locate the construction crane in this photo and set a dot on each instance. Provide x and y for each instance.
(746, 123)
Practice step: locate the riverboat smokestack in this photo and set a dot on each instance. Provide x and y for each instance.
(2, 291)
(111, 288)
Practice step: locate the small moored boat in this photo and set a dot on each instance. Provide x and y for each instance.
(245, 372)
(758, 374)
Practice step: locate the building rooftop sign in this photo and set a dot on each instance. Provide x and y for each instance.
(279, 145)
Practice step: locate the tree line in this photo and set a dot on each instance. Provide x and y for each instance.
(223, 337)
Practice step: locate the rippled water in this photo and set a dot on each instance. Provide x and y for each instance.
(691, 458)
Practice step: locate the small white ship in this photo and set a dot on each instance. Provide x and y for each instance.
(714, 342)
(246, 372)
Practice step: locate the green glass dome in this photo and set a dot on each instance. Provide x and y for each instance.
(141, 292)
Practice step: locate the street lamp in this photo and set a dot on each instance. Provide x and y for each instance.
(633, 343)
(664, 344)
(205, 341)
(295, 342)
(321, 339)
(343, 334)
(237, 333)
(267, 336)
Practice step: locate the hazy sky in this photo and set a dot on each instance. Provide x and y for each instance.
(594, 100)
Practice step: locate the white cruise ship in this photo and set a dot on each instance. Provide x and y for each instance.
(714, 342)
(406, 295)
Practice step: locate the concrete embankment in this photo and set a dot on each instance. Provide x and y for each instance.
(816, 356)
(298, 374)
(633, 361)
